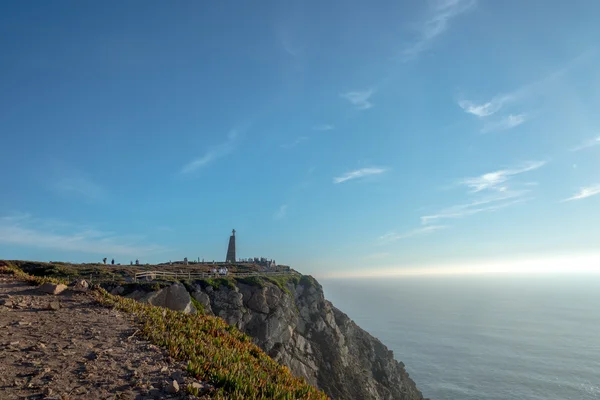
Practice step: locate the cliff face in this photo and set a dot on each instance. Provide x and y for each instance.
(297, 327)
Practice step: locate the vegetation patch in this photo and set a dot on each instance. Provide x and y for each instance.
(199, 306)
(256, 281)
(216, 352)
(216, 283)
(309, 281)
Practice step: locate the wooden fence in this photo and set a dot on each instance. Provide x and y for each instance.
(151, 275)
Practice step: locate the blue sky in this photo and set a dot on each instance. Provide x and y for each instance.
(340, 137)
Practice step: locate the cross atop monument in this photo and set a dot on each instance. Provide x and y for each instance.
(233, 232)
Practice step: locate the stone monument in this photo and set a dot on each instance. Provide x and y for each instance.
(231, 249)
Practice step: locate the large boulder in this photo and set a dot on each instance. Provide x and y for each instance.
(174, 297)
(52, 288)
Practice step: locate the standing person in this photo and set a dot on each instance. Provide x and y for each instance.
(104, 260)
(113, 261)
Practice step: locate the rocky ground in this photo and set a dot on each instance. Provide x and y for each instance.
(66, 346)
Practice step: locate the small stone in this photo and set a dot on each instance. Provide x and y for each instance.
(198, 386)
(48, 392)
(173, 387)
(80, 285)
(54, 306)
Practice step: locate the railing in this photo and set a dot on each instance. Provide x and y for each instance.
(192, 275)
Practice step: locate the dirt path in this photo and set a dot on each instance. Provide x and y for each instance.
(80, 351)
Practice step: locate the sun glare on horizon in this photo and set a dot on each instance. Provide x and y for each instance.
(563, 264)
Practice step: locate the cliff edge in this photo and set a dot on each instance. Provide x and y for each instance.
(289, 318)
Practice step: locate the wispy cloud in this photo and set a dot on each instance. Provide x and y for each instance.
(31, 232)
(441, 13)
(485, 109)
(508, 122)
(295, 142)
(489, 192)
(212, 154)
(587, 144)
(476, 207)
(323, 127)
(359, 98)
(281, 212)
(585, 192)
(496, 180)
(425, 230)
(73, 182)
(359, 173)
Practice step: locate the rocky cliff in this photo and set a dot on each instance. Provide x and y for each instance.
(291, 321)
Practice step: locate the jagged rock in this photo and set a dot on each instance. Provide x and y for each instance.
(173, 387)
(54, 305)
(227, 303)
(203, 299)
(118, 291)
(80, 285)
(174, 297)
(52, 288)
(300, 329)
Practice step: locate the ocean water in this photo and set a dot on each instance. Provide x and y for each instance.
(494, 338)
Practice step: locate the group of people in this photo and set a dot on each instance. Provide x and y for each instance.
(221, 271)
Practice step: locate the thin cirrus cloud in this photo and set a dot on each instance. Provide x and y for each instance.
(295, 142)
(497, 180)
(485, 109)
(27, 231)
(323, 127)
(425, 230)
(489, 192)
(82, 186)
(587, 144)
(359, 173)
(360, 99)
(281, 212)
(584, 193)
(212, 154)
(476, 207)
(508, 122)
(440, 14)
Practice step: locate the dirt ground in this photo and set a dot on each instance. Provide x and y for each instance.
(80, 351)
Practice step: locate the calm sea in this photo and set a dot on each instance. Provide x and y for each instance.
(495, 338)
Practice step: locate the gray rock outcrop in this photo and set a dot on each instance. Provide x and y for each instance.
(174, 297)
(298, 328)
